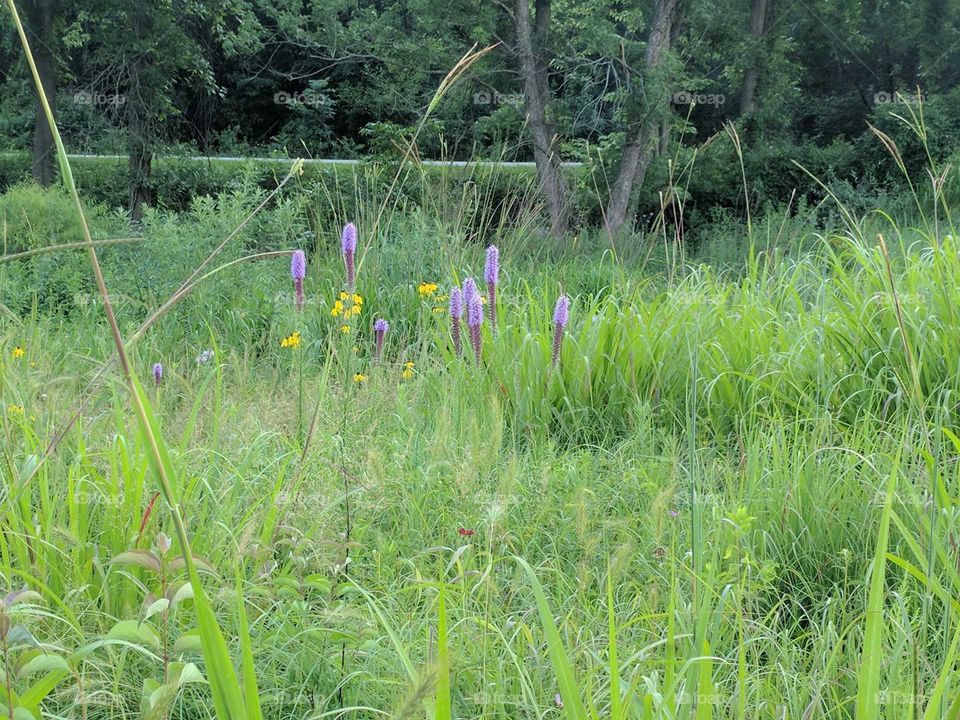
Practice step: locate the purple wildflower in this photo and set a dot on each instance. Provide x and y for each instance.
(474, 321)
(348, 244)
(298, 271)
(469, 291)
(561, 316)
(380, 328)
(157, 373)
(456, 315)
(491, 273)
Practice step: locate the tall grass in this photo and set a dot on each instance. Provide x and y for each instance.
(734, 496)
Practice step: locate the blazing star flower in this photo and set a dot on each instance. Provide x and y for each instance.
(561, 316)
(157, 373)
(18, 352)
(469, 290)
(491, 273)
(380, 328)
(456, 315)
(348, 244)
(474, 321)
(298, 271)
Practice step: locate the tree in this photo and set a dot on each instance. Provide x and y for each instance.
(758, 21)
(39, 22)
(639, 148)
(531, 51)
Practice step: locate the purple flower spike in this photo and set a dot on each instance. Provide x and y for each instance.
(157, 373)
(298, 271)
(348, 244)
(456, 314)
(380, 328)
(491, 273)
(474, 321)
(469, 291)
(561, 316)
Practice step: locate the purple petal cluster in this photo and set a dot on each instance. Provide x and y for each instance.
(469, 292)
(298, 271)
(561, 316)
(474, 321)
(491, 273)
(456, 315)
(348, 244)
(380, 328)
(157, 373)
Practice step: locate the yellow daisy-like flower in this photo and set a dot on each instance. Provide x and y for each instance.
(407, 373)
(426, 289)
(15, 409)
(359, 378)
(438, 309)
(292, 340)
(337, 308)
(18, 352)
(345, 329)
(357, 299)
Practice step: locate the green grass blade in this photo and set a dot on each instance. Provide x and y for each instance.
(868, 684)
(572, 703)
(443, 710)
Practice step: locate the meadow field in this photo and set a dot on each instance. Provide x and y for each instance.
(422, 443)
(732, 492)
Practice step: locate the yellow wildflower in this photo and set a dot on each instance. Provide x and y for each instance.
(438, 309)
(357, 299)
(407, 370)
(426, 289)
(15, 409)
(18, 352)
(337, 308)
(344, 295)
(345, 329)
(359, 378)
(292, 340)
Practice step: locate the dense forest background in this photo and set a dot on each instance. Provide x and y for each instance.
(631, 89)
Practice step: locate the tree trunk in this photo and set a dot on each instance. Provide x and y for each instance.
(43, 42)
(139, 127)
(641, 136)
(758, 22)
(531, 46)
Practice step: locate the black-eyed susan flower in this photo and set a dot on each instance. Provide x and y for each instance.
(292, 340)
(359, 378)
(18, 352)
(345, 329)
(427, 289)
(15, 409)
(407, 372)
